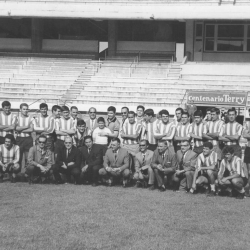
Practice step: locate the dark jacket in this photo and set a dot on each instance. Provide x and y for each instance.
(95, 157)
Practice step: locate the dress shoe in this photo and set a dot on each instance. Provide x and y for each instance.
(240, 196)
(211, 194)
(162, 189)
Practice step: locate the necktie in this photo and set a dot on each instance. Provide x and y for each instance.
(92, 125)
(181, 162)
(143, 160)
(67, 153)
(163, 156)
(89, 149)
(115, 155)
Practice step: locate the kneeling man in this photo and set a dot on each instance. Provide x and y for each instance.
(116, 163)
(164, 164)
(231, 174)
(206, 169)
(68, 162)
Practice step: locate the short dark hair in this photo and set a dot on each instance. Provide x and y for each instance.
(116, 139)
(10, 137)
(112, 109)
(88, 137)
(185, 113)
(73, 107)
(140, 107)
(80, 122)
(43, 105)
(149, 112)
(163, 112)
(42, 136)
(208, 144)
(5, 104)
(56, 107)
(100, 119)
(232, 110)
(147, 143)
(198, 113)
(181, 109)
(215, 110)
(131, 113)
(163, 141)
(65, 108)
(228, 149)
(125, 108)
(24, 105)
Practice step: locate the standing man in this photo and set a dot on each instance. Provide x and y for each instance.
(208, 116)
(191, 108)
(231, 132)
(116, 164)
(92, 160)
(186, 159)
(25, 126)
(81, 132)
(164, 164)
(165, 130)
(68, 162)
(213, 129)
(92, 123)
(148, 128)
(7, 121)
(140, 113)
(183, 130)
(178, 114)
(231, 175)
(124, 113)
(56, 112)
(74, 113)
(198, 128)
(39, 161)
(112, 123)
(143, 170)
(206, 169)
(9, 158)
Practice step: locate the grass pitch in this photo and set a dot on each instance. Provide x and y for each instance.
(82, 217)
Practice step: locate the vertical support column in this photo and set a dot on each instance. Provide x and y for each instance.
(37, 35)
(112, 37)
(189, 40)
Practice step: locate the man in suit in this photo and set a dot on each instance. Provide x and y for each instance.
(92, 160)
(116, 163)
(68, 162)
(143, 170)
(91, 123)
(184, 174)
(164, 164)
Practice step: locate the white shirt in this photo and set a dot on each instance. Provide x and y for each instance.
(103, 140)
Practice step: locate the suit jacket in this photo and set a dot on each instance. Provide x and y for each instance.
(95, 157)
(139, 159)
(89, 126)
(122, 160)
(169, 162)
(74, 156)
(189, 161)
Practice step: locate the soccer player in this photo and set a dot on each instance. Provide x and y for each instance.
(74, 113)
(81, 132)
(148, 128)
(116, 164)
(213, 129)
(206, 169)
(7, 121)
(124, 113)
(140, 113)
(183, 130)
(164, 164)
(231, 175)
(25, 126)
(198, 128)
(165, 130)
(9, 158)
(178, 114)
(92, 123)
(208, 116)
(130, 134)
(231, 132)
(143, 171)
(56, 112)
(112, 123)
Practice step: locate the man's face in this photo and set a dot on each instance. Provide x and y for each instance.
(143, 146)
(8, 143)
(44, 111)
(124, 114)
(140, 112)
(81, 128)
(57, 113)
(6, 110)
(184, 119)
(74, 113)
(24, 110)
(42, 142)
(101, 125)
(206, 151)
(111, 115)
(115, 145)
(131, 118)
(197, 119)
(231, 116)
(65, 114)
(229, 156)
(209, 117)
(68, 143)
(214, 116)
(165, 118)
(162, 147)
(184, 147)
(92, 114)
(178, 115)
(147, 118)
(88, 142)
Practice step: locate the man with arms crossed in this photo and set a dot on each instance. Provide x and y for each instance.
(140, 113)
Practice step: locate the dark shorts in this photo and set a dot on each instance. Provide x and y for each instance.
(247, 155)
(25, 143)
(2, 140)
